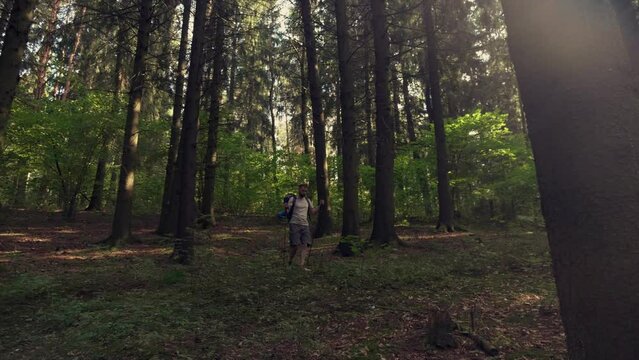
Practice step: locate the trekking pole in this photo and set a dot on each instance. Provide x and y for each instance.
(285, 248)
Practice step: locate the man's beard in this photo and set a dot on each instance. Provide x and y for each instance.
(302, 195)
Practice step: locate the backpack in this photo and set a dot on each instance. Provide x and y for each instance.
(289, 213)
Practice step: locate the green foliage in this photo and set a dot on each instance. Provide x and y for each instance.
(488, 165)
(55, 144)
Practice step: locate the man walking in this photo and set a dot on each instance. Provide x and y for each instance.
(298, 210)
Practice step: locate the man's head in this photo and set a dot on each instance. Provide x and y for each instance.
(302, 189)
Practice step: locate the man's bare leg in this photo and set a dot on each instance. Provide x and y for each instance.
(292, 253)
(304, 252)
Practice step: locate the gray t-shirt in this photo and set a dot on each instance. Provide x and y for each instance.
(300, 212)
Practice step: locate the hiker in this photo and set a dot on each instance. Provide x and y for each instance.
(298, 211)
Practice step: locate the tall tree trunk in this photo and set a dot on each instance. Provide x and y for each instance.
(368, 103)
(422, 175)
(79, 27)
(408, 105)
(210, 160)
(384, 216)
(397, 120)
(187, 157)
(20, 190)
(350, 212)
(121, 229)
(45, 51)
(582, 111)
(232, 79)
(443, 187)
(303, 107)
(627, 17)
(96, 202)
(166, 224)
(323, 226)
(370, 134)
(13, 47)
(5, 14)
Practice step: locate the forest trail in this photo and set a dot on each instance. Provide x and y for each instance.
(61, 298)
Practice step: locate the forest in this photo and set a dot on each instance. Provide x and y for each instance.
(319, 179)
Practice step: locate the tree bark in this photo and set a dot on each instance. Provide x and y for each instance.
(627, 17)
(323, 226)
(304, 107)
(13, 47)
(121, 229)
(166, 225)
(211, 164)
(187, 210)
(5, 14)
(384, 216)
(45, 51)
(350, 212)
(96, 202)
(422, 174)
(581, 107)
(79, 27)
(397, 119)
(443, 187)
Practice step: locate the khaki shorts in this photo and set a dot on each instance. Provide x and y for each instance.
(299, 235)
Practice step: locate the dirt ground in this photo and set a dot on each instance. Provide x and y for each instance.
(63, 297)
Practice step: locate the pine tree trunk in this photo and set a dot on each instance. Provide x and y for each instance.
(211, 164)
(370, 135)
(397, 120)
(232, 79)
(323, 226)
(95, 203)
(79, 27)
(443, 187)
(384, 216)
(350, 212)
(45, 51)
(627, 17)
(304, 108)
(5, 14)
(422, 174)
(187, 157)
(121, 229)
(165, 226)
(408, 106)
(13, 47)
(573, 72)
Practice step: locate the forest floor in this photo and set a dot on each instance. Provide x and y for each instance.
(60, 297)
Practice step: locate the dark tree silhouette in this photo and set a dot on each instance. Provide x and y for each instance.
(582, 111)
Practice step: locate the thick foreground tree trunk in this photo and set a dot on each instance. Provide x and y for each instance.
(165, 226)
(185, 185)
(121, 229)
(384, 216)
(13, 46)
(573, 72)
(323, 226)
(350, 213)
(210, 160)
(443, 187)
(627, 17)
